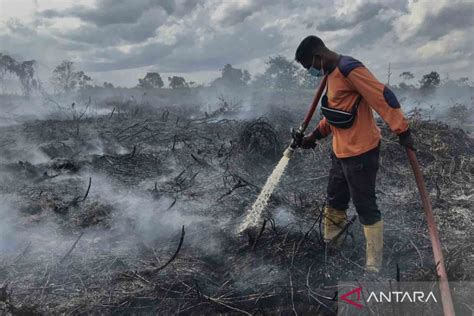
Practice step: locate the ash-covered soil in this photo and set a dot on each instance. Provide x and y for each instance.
(134, 212)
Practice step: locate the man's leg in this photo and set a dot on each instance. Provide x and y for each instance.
(338, 200)
(361, 172)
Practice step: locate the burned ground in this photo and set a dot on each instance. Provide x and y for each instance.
(134, 212)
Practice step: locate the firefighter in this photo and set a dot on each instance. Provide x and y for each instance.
(352, 92)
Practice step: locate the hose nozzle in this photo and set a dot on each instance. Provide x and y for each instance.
(289, 152)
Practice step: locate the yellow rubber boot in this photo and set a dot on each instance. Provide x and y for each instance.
(374, 246)
(334, 222)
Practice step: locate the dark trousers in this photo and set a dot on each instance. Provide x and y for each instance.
(355, 177)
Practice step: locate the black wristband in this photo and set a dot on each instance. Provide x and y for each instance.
(317, 134)
(404, 134)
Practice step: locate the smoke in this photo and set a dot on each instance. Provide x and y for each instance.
(128, 214)
(137, 212)
(284, 217)
(438, 103)
(9, 239)
(132, 214)
(20, 149)
(18, 230)
(136, 217)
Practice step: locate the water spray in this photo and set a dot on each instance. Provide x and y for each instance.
(254, 214)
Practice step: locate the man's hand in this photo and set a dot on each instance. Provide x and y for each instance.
(309, 141)
(406, 140)
(297, 137)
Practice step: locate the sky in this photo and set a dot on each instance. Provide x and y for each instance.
(120, 40)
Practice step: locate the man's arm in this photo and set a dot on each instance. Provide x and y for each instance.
(323, 129)
(380, 98)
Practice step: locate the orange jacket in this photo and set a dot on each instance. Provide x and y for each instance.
(345, 83)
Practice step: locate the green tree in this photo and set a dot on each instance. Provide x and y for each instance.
(280, 73)
(82, 79)
(25, 72)
(283, 71)
(232, 77)
(150, 81)
(407, 75)
(65, 79)
(176, 82)
(430, 81)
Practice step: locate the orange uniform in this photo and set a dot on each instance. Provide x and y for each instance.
(349, 80)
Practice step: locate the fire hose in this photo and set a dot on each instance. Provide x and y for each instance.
(309, 115)
(446, 298)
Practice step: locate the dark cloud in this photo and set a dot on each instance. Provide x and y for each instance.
(365, 34)
(450, 17)
(362, 13)
(232, 12)
(237, 16)
(187, 36)
(116, 22)
(15, 26)
(190, 53)
(107, 12)
(116, 34)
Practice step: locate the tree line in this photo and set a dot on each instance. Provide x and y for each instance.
(280, 73)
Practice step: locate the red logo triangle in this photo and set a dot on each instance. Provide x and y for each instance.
(345, 298)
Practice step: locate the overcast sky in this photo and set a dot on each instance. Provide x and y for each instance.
(120, 40)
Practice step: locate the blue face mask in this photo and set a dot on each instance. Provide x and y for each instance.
(316, 72)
